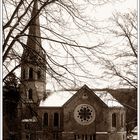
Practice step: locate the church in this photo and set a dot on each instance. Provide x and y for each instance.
(62, 115)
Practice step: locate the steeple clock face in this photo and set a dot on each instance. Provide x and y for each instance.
(84, 114)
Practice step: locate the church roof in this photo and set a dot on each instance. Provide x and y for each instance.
(59, 98)
(108, 99)
(33, 119)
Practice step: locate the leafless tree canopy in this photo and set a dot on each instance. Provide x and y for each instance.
(61, 22)
(123, 63)
(68, 60)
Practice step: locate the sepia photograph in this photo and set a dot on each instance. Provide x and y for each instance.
(69, 70)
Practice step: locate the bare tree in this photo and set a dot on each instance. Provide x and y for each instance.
(61, 22)
(123, 61)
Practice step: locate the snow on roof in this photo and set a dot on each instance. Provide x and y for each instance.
(108, 99)
(135, 130)
(30, 120)
(135, 137)
(59, 98)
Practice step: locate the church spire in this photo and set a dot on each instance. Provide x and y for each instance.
(33, 47)
(33, 62)
(34, 40)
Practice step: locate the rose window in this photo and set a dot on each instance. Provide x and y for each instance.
(84, 114)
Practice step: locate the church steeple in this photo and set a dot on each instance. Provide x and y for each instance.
(33, 62)
(33, 48)
(34, 40)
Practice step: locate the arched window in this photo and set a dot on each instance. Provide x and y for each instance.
(39, 74)
(45, 119)
(31, 73)
(122, 120)
(56, 119)
(114, 119)
(30, 94)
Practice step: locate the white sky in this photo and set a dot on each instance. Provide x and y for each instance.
(101, 13)
(105, 11)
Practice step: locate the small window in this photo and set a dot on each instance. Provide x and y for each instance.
(31, 73)
(45, 120)
(30, 94)
(56, 119)
(114, 120)
(39, 74)
(122, 120)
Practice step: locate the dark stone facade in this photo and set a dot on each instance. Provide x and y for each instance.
(66, 127)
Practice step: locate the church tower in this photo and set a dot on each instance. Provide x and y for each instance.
(33, 65)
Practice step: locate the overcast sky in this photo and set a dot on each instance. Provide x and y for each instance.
(100, 13)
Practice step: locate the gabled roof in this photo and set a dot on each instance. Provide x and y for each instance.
(108, 99)
(59, 98)
(135, 130)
